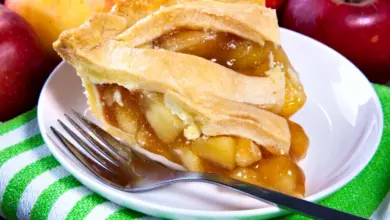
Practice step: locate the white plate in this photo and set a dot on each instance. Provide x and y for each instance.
(342, 117)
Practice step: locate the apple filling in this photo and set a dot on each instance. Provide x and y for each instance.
(158, 129)
(241, 55)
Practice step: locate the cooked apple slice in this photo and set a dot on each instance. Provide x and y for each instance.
(281, 174)
(126, 119)
(299, 141)
(166, 125)
(220, 151)
(247, 152)
(108, 96)
(249, 55)
(190, 161)
(198, 43)
(245, 174)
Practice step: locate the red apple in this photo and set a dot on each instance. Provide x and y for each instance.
(20, 62)
(275, 4)
(358, 29)
(49, 18)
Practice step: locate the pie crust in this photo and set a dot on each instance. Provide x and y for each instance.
(146, 49)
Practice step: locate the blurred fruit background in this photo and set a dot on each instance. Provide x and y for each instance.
(28, 29)
(50, 17)
(22, 70)
(358, 29)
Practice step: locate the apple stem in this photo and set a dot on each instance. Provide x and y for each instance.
(354, 1)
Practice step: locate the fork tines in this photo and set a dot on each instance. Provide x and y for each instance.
(98, 151)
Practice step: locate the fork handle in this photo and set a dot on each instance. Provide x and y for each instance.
(272, 197)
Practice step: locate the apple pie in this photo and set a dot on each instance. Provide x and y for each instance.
(196, 84)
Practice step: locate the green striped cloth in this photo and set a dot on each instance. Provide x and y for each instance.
(33, 185)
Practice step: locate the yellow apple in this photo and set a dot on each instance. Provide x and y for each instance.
(50, 17)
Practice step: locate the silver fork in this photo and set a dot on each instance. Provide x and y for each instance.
(132, 172)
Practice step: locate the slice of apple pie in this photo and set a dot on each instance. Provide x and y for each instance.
(203, 85)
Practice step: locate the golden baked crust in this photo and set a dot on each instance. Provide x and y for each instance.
(135, 10)
(109, 48)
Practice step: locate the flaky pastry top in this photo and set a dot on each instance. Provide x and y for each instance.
(107, 48)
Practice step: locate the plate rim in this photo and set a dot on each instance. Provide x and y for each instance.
(268, 211)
